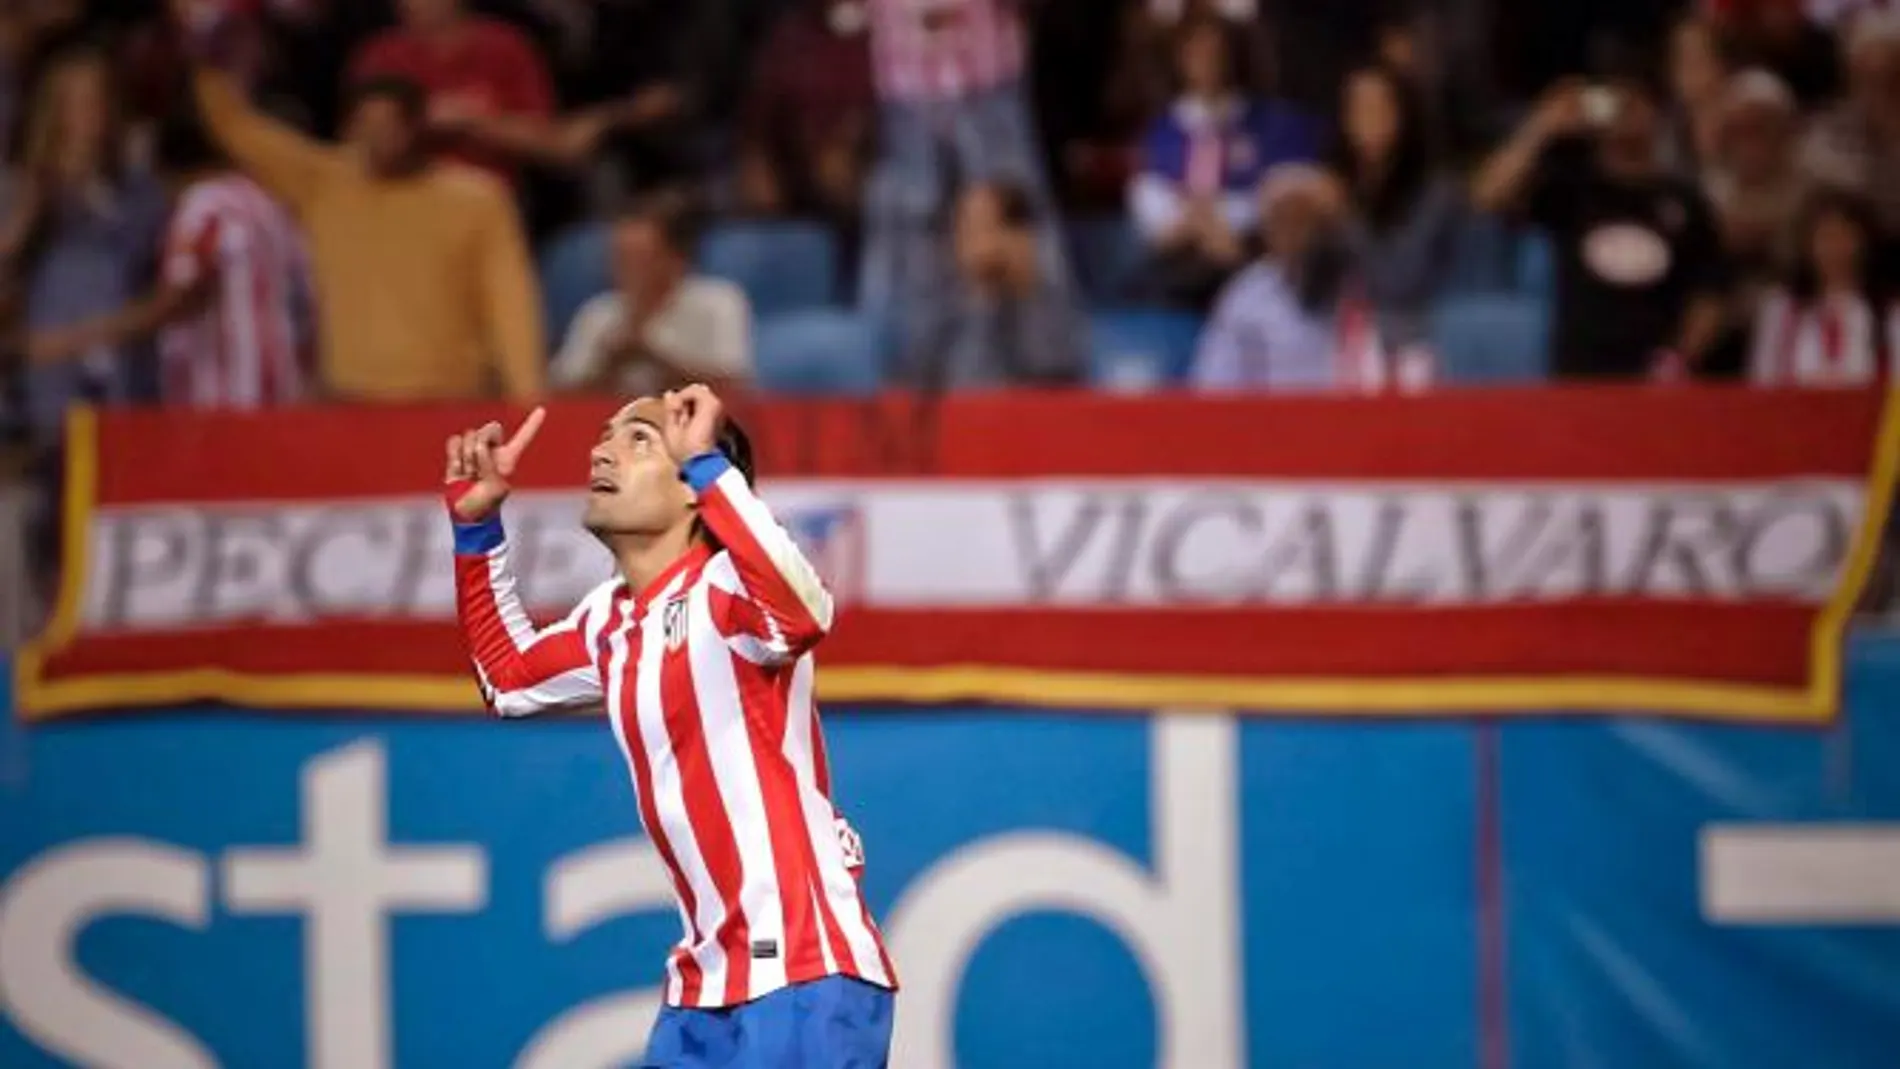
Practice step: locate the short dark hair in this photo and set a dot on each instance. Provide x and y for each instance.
(736, 445)
(183, 143)
(673, 213)
(406, 93)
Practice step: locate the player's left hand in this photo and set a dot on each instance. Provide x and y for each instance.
(694, 416)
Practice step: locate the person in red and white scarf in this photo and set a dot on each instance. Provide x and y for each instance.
(1831, 325)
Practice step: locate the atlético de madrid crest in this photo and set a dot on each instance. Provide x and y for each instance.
(674, 622)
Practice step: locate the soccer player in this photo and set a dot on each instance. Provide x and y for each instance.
(699, 650)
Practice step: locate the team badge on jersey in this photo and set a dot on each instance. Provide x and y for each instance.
(674, 622)
(853, 846)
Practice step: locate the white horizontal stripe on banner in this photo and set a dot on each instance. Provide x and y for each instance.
(1031, 543)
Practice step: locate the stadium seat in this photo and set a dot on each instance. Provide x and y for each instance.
(1135, 349)
(782, 267)
(1107, 255)
(1481, 257)
(818, 351)
(573, 269)
(1536, 266)
(1491, 338)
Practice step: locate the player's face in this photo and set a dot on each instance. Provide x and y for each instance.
(633, 486)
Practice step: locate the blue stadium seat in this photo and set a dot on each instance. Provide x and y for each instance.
(1107, 255)
(1131, 348)
(1536, 264)
(574, 267)
(818, 351)
(1481, 257)
(781, 266)
(1492, 338)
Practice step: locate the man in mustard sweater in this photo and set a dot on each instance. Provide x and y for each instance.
(424, 286)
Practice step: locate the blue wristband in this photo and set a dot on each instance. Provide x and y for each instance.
(480, 537)
(705, 469)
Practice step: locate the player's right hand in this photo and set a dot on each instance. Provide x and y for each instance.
(481, 463)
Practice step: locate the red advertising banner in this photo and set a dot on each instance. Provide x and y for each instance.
(1693, 551)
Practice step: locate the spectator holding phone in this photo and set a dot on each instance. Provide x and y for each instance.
(1640, 269)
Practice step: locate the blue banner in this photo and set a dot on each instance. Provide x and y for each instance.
(1183, 890)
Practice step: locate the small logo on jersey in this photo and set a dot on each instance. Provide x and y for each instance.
(833, 538)
(852, 844)
(765, 949)
(674, 621)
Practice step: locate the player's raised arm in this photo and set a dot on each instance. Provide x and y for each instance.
(777, 577)
(522, 671)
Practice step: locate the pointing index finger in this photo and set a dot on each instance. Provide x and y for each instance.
(525, 433)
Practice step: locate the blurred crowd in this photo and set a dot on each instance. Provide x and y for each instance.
(242, 203)
(247, 203)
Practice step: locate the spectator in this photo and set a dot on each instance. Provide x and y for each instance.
(1698, 77)
(81, 229)
(232, 306)
(24, 27)
(1292, 320)
(1404, 215)
(424, 286)
(1193, 200)
(1640, 271)
(1003, 320)
(1152, 47)
(665, 72)
(1090, 102)
(809, 120)
(1432, 56)
(488, 91)
(1856, 145)
(949, 77)
(1779, 36)
(1756, 189)
(1832, 324)
(661, 327)
(1752, 177)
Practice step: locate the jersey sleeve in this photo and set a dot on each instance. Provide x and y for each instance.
(522, 671)
(192, 244)
(784, 604)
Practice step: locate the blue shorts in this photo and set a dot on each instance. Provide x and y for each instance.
(834, 1023)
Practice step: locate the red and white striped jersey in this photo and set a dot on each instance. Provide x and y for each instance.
(249, 346)
(944, 49)
(706, 679)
